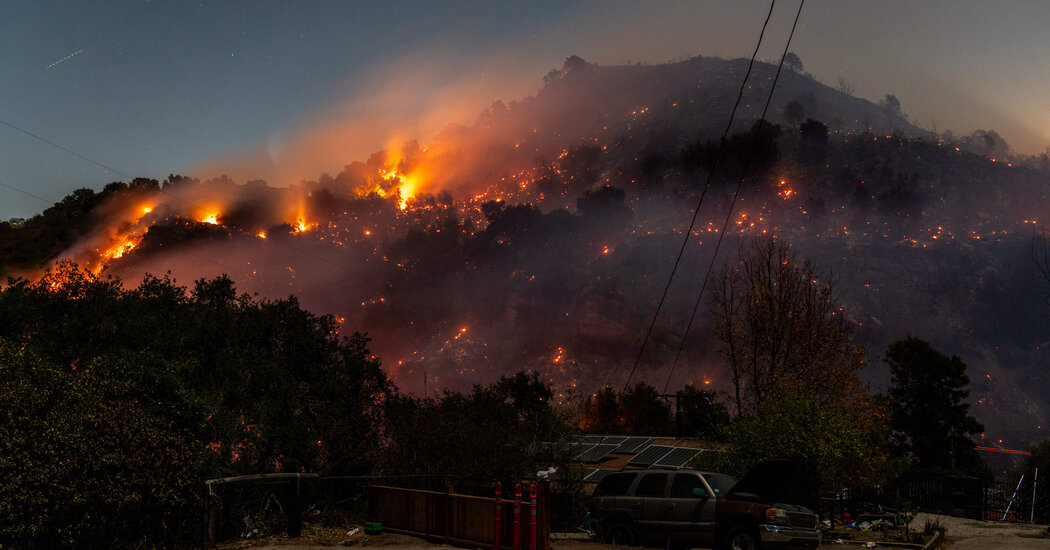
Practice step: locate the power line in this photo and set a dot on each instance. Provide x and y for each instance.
(24, 192)
(160, 190)
(70, 151)
(732, 204)
(707, 185)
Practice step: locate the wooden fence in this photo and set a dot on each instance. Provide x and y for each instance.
(461, 520)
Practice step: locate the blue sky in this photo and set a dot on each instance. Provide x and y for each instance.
(154, 88)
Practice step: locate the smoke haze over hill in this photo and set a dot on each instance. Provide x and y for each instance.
(539, 235)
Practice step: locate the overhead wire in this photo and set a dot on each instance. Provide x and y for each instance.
(696, 212)
(732, 204)
(24, 192)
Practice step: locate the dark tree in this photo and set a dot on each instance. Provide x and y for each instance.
(794, 112)
(813, 141)
(891, 103)
(793, 62)
(701, 414)
(781, 332)
(638, 411)
(489, 432)
(930, 419)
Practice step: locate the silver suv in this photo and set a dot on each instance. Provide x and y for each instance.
(702, 509)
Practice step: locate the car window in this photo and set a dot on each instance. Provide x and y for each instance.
(614, 484)
(651, 485)
(720, 483)
(683, 484)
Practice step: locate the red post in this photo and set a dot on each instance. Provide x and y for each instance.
(499, 517)
(517, 516)
(532, 517)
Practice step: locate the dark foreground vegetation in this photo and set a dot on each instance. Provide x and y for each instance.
(120, 402)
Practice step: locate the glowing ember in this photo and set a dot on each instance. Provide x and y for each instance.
(213, 219)
(261, 234)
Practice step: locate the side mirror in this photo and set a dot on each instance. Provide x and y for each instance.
(699, 492)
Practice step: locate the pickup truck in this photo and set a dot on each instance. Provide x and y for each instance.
(706, 509)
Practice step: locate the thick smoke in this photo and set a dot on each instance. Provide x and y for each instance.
(540, 234)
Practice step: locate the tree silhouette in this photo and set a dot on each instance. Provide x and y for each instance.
(930, 419)
(793, 62)
(781, 331)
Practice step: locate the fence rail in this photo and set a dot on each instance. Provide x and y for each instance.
(1022, 501)
(461, 519)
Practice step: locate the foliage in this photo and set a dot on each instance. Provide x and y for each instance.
(196, 384)
(930, 419)
(701, 415)
(832, 446)
(492, 432)
(90, 461)
(640, 410)
(781, 332)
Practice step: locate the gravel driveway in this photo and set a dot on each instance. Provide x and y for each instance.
(971, 534)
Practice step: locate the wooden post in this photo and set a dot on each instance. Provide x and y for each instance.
(294, 510)
(448, 510)
(213, 513)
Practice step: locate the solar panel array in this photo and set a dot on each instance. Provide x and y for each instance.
(596, 452)
(664, 456)
(596, 475)
(633, 444)
(595, 448)
(677, 457)
(649, 456)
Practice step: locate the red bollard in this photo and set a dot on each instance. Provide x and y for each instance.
(532, 517)
(499, 517)
(517, 516)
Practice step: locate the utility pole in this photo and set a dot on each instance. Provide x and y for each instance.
(1035, 481)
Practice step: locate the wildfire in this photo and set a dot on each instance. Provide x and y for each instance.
(211, 218)
(121, 248)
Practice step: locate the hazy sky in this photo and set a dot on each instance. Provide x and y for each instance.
(152, 88)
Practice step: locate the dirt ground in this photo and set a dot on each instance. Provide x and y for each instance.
(971, 534)
(962, 534)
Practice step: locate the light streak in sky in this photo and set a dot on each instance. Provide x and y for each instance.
(66, 58)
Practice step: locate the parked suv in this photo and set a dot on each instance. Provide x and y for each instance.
(704, 509)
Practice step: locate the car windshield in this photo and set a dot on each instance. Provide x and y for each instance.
(720, 483)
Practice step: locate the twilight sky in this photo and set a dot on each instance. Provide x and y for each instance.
(152, 88)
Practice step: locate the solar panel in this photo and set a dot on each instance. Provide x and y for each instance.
(582, 475)
(597, 475)
(592, 439)
(633, 445)
(677, 457)
(580, 449)
(649, 456)
(596, 453)
(614, 440)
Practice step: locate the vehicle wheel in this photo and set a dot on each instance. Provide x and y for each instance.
(740, 538)
(620, 535)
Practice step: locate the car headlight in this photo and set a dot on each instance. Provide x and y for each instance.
(777, 516)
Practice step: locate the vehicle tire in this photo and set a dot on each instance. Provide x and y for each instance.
(620, 534)
(742, 538)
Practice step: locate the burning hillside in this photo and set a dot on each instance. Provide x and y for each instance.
(541, 236)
